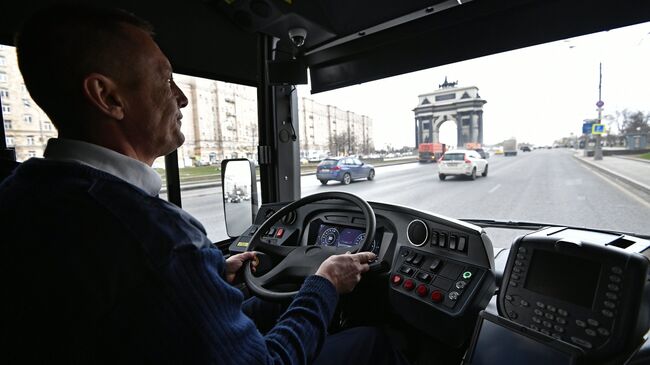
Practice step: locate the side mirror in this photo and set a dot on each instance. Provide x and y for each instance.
(239, 190)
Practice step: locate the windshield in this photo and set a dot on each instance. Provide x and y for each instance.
(526, 109)
(534, 111)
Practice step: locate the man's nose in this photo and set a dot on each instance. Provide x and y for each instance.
(180, 97)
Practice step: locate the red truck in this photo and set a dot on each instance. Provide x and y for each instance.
(431, 152)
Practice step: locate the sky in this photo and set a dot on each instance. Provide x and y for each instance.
(536, 94)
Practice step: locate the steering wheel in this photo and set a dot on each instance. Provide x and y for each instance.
(298, 262)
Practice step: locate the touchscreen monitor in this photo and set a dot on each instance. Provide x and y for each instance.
(498, 340)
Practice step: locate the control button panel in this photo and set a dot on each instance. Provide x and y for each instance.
(437, 281)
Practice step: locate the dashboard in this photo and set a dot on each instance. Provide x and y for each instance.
(424, 259)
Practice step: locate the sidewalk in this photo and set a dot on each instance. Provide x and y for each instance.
(631, 171)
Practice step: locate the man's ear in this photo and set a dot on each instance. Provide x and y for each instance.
(102, 93)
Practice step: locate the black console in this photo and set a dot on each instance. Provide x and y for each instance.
(444, 295)
(585, 292)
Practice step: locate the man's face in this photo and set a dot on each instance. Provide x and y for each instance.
(153, 102)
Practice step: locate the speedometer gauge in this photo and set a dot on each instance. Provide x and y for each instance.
(372, 247)
(330, 237)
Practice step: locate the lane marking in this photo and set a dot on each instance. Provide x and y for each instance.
(494, 189)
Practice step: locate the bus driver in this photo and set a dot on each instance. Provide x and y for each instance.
(100, 269)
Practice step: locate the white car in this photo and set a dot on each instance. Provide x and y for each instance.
(462, 162)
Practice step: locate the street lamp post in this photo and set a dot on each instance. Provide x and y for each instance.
(598, 152)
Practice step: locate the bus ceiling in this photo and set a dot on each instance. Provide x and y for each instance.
(351, 42)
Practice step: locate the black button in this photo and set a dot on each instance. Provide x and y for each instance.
(423, 276)
(581, 323)
(442, 239)
(253, 229)
(547, 324)
(590, 332)
(418, 260)
(560, 320)
(405, 253)
(607, 313)
(537, 320)
(615, 279)
(515, 276)
(562, 312)
(524, 303)
(518, 263)
(549, 316)
(581, 342)
(540, 305)
(533, 327)
(461, 243)
(612, 287)
(517, 270)
(513, 284)
(538, 312)
(452, 242)
(611, 296)
(609, 304)
(434, 265)
(508, 297)
(521, 250)
(593, 322)
(270, 232)
(617, 270)
(460, 284)
(406, 270)
(551, 308)
(513, 315)
(410, 258)
(520, 256)
(559, 329)
(434, 238)
(603, 332)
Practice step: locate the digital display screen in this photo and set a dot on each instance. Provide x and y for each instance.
(496, 344)
(568, 278)
(329, 235)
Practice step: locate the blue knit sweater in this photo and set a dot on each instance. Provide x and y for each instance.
(96, 271)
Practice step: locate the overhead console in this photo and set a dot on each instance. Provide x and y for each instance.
(585, 288)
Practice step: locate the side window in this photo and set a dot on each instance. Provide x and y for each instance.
(29, 130)
(219, 122)
(357, 162)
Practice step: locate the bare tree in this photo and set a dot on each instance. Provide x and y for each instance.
(635, 122)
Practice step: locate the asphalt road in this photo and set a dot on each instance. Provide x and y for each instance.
(547, 186)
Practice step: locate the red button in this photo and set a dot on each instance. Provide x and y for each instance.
(409, 284)
(436, 296)
(396, 279)
(422, 290)
(279, 233)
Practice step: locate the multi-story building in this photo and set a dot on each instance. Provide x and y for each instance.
(331, 130)
(27, 127)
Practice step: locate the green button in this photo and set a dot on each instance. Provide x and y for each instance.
(467, 275)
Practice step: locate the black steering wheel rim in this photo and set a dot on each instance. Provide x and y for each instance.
(309, 257)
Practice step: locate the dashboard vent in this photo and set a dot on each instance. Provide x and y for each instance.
(417, 232)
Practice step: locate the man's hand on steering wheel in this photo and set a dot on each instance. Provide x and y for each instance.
(344, 271)
(236, 262)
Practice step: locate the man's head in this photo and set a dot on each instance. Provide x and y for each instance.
(101, 78)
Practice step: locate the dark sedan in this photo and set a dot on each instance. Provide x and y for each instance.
(343, 169)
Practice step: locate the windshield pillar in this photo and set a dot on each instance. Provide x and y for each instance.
(279, 145)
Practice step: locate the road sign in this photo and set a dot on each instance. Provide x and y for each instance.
(587, 127)
(598, 129)
(600, 103)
